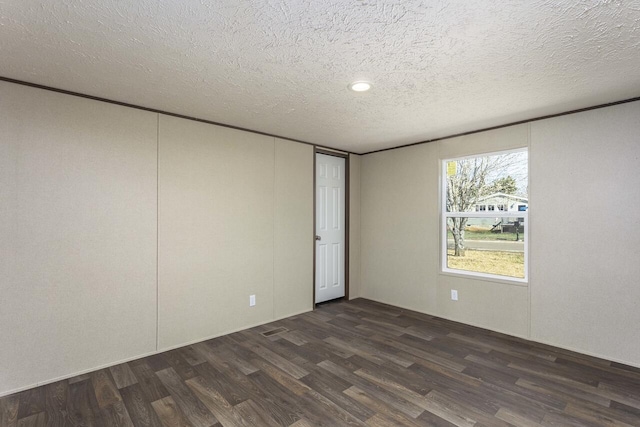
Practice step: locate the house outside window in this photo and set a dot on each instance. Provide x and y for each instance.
(484, 215)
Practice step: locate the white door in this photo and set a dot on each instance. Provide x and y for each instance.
(330, 227)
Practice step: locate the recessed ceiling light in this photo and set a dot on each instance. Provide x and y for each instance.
(360, 86)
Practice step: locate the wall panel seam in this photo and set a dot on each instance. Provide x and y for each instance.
(273, 229)
(157, 231)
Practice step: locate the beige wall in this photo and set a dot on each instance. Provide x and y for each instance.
(95, 212)
(77, 235)
(216, 226)
(354, 226)
(582, 292)
(293, 266)
(399, 243)
(585, 225)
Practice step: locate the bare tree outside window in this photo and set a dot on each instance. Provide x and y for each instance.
(472, 178)
(484, 189)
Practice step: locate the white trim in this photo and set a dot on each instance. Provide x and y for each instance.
(507, 280)
(489, 153)
(526, 254)
(486, 214)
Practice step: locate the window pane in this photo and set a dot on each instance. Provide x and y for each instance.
(485, 185)
(486, 245)
(479, 184)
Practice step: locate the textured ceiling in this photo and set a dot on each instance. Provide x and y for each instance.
(282, 67)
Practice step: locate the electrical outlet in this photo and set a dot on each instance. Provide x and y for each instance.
(252, 300)
(454, 295)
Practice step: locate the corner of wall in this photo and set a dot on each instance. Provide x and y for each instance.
(355, 285)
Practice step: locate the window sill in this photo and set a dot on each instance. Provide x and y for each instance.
(473, 276)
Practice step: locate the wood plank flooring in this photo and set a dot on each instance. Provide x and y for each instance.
(356, 363)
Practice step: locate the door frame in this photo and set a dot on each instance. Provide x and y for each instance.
(345, 156)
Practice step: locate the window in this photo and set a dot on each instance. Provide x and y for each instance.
(484, 215)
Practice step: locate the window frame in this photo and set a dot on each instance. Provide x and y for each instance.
(444, 215)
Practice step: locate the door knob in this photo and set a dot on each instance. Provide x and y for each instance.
(318, 237)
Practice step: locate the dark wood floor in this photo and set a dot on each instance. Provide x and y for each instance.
(346, 363)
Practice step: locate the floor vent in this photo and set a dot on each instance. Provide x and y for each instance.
(273, 332)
